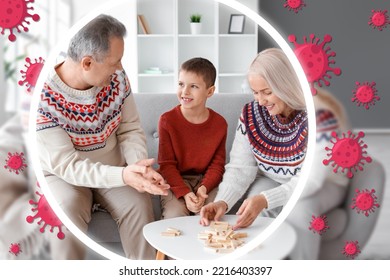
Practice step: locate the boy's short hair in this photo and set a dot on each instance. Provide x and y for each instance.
(201, 67)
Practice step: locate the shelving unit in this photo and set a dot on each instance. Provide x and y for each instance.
(170, 43)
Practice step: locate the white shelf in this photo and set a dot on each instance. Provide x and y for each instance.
(238, 36)
(170, 43)
(232, 74)
(144, 75)
(156, 36)
(196, 35)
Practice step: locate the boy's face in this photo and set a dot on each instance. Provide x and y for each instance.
(192, 90)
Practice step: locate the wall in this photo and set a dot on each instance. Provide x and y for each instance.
(362, 52)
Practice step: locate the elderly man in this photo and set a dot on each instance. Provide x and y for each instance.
(91, 145)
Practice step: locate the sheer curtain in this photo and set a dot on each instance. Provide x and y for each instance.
(55, 18)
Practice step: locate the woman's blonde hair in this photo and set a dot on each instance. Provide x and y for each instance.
(327, 101)
(273, 65)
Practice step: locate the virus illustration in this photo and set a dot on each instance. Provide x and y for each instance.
(351, 249)
(315, 59)
(379, 19)
(30, 76)
(319, 224)
(365, 94)
(347, 153)
(15, 249)
(46, 215)
(365, 201)
(294, 5)
(15, 162)
(14, 14)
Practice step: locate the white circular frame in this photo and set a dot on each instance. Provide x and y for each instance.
(303, 175)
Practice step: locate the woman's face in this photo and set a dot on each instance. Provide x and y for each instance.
(263, 94)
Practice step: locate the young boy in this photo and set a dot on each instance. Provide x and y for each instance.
(192, 142)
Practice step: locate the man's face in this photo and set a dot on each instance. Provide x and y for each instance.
(99, 73)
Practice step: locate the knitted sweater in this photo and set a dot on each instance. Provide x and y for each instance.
(264, 145)
(86, 137)
(191, 149)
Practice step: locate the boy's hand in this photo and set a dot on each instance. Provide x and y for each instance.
(191, 202)
(201, 193)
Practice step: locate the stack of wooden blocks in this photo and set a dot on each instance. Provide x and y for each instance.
(221, 238)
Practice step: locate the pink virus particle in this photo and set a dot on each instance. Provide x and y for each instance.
(365, 201)
(315, 59)
(379, 19)
(15, 162)
(365, 94)
(319, 224)
(46, 215)
(347, 153)
(31, 74)
(14, 14)
(15, 249)
(294, 5)
(351, 249)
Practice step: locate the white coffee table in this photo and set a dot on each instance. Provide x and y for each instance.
(187, 246)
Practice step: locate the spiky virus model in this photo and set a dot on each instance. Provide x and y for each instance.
(315, 59)
(14, 15)
(347, 153)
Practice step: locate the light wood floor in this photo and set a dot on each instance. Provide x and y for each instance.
(378, 247)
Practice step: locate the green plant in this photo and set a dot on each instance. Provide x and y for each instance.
(195, 18)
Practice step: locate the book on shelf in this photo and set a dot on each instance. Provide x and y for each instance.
(144, 24)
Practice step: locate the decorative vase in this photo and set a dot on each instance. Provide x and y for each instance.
(196, 27)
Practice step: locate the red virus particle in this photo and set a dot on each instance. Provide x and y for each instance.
(30, 76)
(347, 153)
(14, 14)
(365, 94)
(351, 249)
(294, 5)
(379, 19)
(46, 215)
(315, 59)
(319, 224)
(15, 162)
(15, 249)
(365, 201)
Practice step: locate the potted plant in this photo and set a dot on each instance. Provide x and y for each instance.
(196, 25)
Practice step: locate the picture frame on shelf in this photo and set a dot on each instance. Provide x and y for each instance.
(236, 24)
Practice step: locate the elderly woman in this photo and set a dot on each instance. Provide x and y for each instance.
(268, 152)
(269, 145)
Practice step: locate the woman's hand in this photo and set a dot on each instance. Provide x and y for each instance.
(143, 178)
(249, 210)
(212, 211)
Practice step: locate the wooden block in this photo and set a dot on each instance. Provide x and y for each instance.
(240, 235)
(176, 231)
(168, 233)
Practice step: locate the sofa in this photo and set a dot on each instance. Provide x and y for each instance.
(346, 223)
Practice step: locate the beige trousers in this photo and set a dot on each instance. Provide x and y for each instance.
(130, 209)
(172, 207)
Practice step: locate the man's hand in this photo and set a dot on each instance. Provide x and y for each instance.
(143, 178)
(249, 210)
(212, 211)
